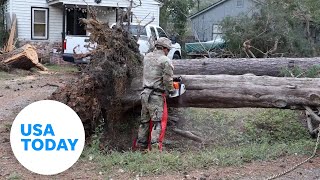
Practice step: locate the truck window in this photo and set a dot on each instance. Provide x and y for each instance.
(137, 29)
(161, 33)
(153, 33)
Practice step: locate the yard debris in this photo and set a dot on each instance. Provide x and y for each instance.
(24, 57)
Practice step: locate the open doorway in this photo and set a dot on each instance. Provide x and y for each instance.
(74, 27)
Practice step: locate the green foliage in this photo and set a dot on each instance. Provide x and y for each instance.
(313, 72)
(14, 176)
(296, 71)
(3, 33)
(275, 21)
(175, 12)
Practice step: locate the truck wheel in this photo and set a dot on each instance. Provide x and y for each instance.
(176, 56)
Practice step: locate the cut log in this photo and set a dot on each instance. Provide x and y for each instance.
(25, 57)
(259, 67)
(227, 91)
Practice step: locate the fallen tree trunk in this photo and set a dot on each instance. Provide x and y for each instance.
(259, 67)
(24, 57)
(226, 91)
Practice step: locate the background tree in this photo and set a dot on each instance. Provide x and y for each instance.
(279, 28)
(175, 13)
(2, 28)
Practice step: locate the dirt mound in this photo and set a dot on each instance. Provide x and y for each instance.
(95, 96)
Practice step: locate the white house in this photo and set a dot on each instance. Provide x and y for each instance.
(48, 21)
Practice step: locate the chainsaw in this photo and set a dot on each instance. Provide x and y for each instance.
(179, 87)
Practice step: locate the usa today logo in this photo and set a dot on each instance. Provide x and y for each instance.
(47, 137)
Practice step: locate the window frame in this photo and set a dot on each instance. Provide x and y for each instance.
(46, 10)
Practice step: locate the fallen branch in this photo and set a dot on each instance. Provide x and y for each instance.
(188, 134)
(49, 84)
(247, 46)
(314, 115)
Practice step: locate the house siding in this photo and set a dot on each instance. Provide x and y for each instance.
(146, 12)
(202, 25)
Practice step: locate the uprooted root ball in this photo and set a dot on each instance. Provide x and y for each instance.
(96, 95)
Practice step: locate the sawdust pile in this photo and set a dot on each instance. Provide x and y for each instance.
(96, 95)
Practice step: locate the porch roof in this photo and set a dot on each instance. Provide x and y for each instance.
(103, 3)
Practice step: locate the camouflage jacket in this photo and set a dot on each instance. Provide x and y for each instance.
(157, 72)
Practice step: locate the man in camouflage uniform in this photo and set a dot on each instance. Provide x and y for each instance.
(157, 80)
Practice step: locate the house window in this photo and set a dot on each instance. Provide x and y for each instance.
(39, 23)
(240, 3)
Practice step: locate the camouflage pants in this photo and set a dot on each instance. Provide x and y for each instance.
(152, 109)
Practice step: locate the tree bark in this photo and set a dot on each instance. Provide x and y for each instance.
(226, 91)
(25, 57)
(259, 67)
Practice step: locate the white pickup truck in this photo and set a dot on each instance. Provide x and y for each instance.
(147, 34)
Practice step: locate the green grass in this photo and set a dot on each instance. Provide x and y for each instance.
(14, 176)
(241, 136)
(174, 161)
(66, 68)
(312, 72)
(6, 75)
(275, 125)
